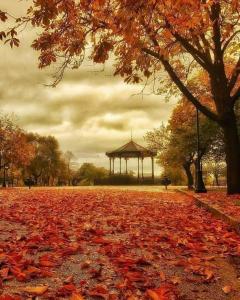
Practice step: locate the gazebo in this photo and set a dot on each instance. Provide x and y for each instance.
(131, 150)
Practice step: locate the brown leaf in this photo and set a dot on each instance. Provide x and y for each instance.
(175, 280)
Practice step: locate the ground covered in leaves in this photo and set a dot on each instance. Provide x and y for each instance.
(109, 244)
(230, 205)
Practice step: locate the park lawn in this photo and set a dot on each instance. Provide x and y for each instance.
(113, 244)
(230, 205)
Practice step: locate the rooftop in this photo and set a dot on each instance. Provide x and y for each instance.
(131, 149)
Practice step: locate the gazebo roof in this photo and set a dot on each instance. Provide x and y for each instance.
(131, 149)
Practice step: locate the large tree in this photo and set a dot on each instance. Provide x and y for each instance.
(146, 36)
(45, 165)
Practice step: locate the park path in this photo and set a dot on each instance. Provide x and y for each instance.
(114, 244)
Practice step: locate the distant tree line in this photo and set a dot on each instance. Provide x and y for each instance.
(29, 157)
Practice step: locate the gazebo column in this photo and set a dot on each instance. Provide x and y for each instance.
(138, 168)
(110, 163)
(126, 165)
(152, 158)
(120, 165)
(142, 167)
(113, 165)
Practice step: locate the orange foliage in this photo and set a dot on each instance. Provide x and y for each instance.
(109, 244)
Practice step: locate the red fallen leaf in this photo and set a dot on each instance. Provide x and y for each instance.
(165, 292)
(8, 297)
(162, 276)
(99, 291)
(122, 285)
(113, 297)
(32, 272)
(82, 282)
(35, 290)
(71, 250)
(126, 261)
(66, 290)
(19, 275)
(134, 276)
(4, 273)
(209, 258)
(101, 240)
(47, 261)
(16, 257)
(46, 273)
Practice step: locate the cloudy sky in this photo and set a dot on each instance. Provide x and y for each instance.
(89, 112)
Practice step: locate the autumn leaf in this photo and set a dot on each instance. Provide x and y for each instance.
(165, 292)
(227, 289)
(76, 296)
(99, 291)
(4, 273)
(3, 16)
(175, 280)
(35, 290)
(8, 297)
(209, 274)
(66, 289)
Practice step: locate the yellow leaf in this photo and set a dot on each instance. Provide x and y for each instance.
(76, 296)
(227, 289)
(153, 295)
(35, 290)
(209, 274)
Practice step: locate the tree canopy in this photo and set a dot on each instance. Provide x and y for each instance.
(182, 38)
(177, 142)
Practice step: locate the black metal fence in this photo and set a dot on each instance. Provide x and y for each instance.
(126, 180)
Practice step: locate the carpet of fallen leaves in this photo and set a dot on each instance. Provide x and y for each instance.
(108, 244)
(230, 205)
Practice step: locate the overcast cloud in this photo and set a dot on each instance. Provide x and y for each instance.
(89, 112)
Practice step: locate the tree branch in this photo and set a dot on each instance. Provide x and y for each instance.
(235, 74)
(229, 40)
(200, 57)
(235, 97)
(181, 85)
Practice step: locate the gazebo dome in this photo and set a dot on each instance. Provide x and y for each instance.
(131, 149)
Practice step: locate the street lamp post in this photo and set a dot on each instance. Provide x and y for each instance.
(5, 168)
(199, 184)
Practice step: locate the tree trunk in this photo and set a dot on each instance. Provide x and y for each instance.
(216, 179)
(187, 169)
(232, 148)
